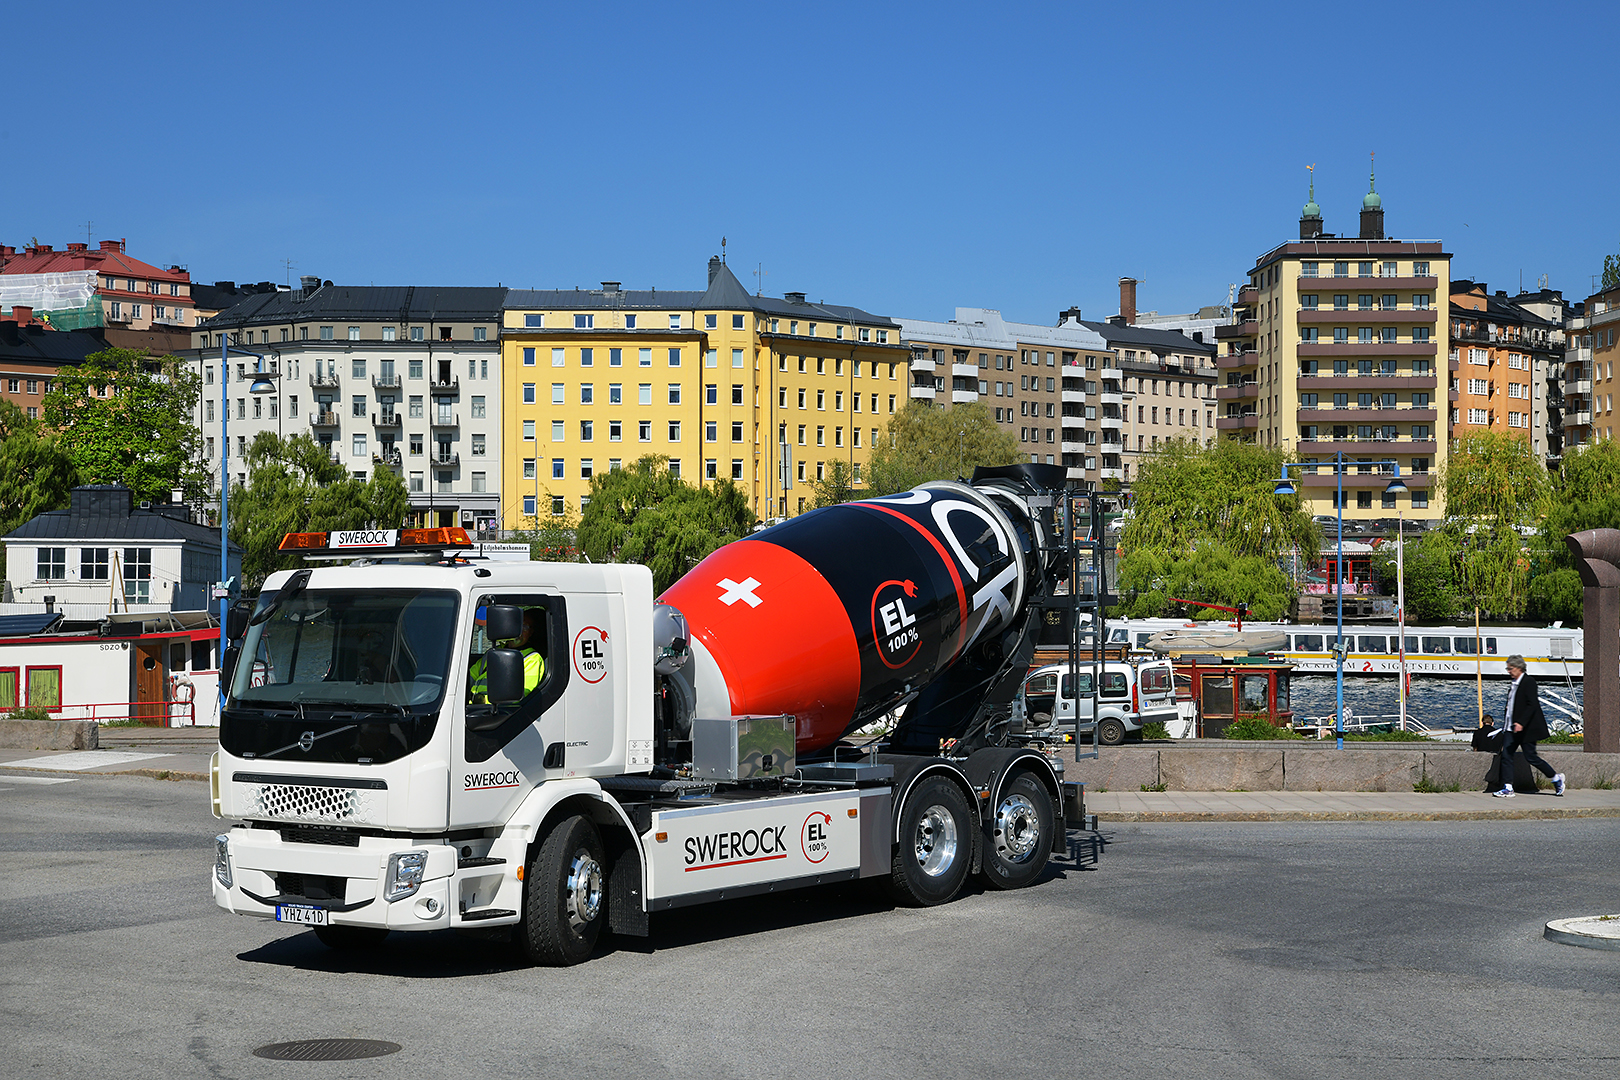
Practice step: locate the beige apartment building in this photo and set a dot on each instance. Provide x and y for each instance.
(1336, 347)
(1590, 384)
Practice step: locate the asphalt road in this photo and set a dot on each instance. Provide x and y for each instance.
(1365, 950)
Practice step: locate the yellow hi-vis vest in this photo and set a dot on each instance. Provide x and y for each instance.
(534, 669)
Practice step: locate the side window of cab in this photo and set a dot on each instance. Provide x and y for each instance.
(543, 644)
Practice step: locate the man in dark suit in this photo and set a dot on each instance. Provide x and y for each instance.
(1523, 726)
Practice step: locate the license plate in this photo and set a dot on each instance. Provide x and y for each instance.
(297, 913)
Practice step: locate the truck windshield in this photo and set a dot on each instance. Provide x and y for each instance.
(354, 648)
(353, 675)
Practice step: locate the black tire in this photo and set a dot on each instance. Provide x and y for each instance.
(935, 851)
(564, 895)
(351, 938)
(1018, 836)
(1111, 732)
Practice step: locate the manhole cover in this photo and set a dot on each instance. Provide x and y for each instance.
(327, 1050)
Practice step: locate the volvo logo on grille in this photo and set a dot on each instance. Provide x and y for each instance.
(306, 740)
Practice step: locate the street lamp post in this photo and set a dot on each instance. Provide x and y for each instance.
(1284, 486)
(263, 383)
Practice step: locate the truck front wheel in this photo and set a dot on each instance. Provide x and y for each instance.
(565, 895)
(935, 849)
(1018, 836)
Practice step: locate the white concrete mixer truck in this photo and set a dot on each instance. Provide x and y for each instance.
(417, 739)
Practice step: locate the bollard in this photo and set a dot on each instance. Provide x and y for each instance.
(1597, 558)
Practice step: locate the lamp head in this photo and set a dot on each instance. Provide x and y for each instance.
(263, 383)
(1284, 486)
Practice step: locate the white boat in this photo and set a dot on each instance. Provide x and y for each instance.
(1374, 648)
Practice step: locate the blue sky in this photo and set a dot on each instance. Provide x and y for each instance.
(902, 158)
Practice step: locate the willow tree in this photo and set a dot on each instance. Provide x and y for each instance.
(1585, 494)
(1496, 490)
(1206, 526)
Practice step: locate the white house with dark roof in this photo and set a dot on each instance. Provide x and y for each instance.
(105, 553)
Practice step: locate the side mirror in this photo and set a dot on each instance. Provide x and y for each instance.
(236, 621)
(227, 665)
(504, 668)
(503, 622)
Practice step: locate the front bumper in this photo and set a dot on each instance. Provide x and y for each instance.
(349, 883)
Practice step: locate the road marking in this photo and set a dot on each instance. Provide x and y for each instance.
(79, 760)
(38, 780)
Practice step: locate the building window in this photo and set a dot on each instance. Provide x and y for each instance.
(736, 358)
(674, 431)
(528, 468)
(528, 357)
(138, 575)
(584, 322)
(556, 506)
(559, 358)
(674, 393)
(644, 430)
(736, 431)
(557, 468)
(711, 430)
(528, 505)
(528, 433)
(586, 430)
(615, 430)
(354, 333)
(326, 333)
(557, 432)
(587, 357)
(478, 446)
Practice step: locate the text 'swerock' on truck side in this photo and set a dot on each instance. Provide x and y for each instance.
(423, 740)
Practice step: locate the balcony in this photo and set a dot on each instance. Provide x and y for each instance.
(1074, 396)
(451, 387)
(1379, 447)
(1320, 316)
(1246, 328)
(1111, 397)
(1354, 479)
(1110, 474)
(386, 382)
(1578, 386)
(1329, 284)
(1248, 296)
(1231, 361)
(1366, 348)
(963, 397)
(1074, 447)
(1246, 421)
(388, 419)
(1371, 414)
(922, 363)
(1578, 419)
(922, 393)
(392, 459)
(1321, 383)
(318, 381)
(323, 418)
(1478, 336)
(446, 420)
(964, 371)
(1238, 392)
(445, 461)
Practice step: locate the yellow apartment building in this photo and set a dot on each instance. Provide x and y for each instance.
(1337, 345)
(763, 391)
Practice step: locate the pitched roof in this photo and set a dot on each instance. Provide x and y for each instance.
(109, 258)
(41, 345)
(724, 293)
(1142, 337)
(108, 512)
(374, 303)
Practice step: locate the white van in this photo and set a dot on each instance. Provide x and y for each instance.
(1129, 695)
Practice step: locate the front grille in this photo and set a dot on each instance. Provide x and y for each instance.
(311, 886)
(336, 837)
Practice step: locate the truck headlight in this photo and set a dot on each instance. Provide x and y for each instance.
(222, 860)
(404, 874)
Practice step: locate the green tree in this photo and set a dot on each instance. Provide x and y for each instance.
(927, 443)
(1431, 594)
(1495, 486)
(643, 514)
(124, 417)
(1611, 271)
(553, 539)
(35, 475)
(1205, 525)
(1585, 495)
(294, 485)
(837, 486)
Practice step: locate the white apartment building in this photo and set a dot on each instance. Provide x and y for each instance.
(399, 377)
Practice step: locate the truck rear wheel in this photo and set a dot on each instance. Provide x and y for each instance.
(1111, 732)
(1018, 836)
(936, 846)
(565, 895)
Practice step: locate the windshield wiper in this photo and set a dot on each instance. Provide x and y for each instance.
(312, 742)
(295, 585)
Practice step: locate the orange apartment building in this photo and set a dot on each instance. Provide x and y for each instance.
(1590, 385)
(1499, 358)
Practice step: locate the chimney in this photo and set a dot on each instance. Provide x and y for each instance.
(111, 245)
(1127, 301)
(7, 252)
(1068, 313)
(610, 286)
(309, 283)
(714, 268)
(42, 248)
(794, 297)
(22, 313)
(78, 247)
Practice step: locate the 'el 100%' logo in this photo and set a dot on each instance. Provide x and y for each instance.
(894, 622)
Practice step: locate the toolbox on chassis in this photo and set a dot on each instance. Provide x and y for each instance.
(423, 740)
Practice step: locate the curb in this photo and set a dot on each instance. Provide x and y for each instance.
(1356, 815)
(1567, 932)
(150, 774)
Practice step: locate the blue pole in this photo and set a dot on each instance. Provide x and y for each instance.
(1338, 584)
(224, 528)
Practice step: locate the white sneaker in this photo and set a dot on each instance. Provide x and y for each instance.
(1558, 784)
(1505, 793)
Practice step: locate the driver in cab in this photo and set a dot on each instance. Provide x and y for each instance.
(534, 664)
